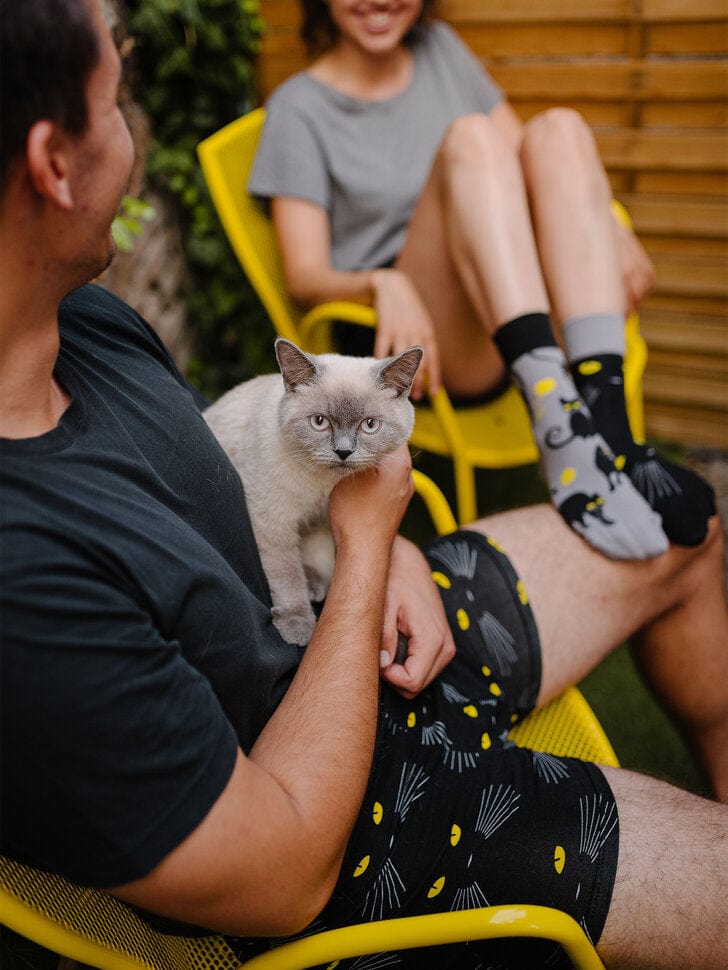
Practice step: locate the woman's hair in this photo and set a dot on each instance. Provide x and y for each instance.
(49, 49)
(319, 32)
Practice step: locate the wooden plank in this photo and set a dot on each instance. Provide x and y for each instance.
(707, 367)
(682, 10)
(688, 425)
(682, 151)
(702, 80)
(688, 114)
(692, 303)
(690, 38)
(679, 332)
(685, 389)
(591, 80)
(677, 216)
(691, 79)
(685, 276)
(691, 248)
(534, 11)
(709, 184)
(545, 40)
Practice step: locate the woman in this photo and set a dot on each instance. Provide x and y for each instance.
(399, 176)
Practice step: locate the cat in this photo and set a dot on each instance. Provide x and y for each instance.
(291, 441)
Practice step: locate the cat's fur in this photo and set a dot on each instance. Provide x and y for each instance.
(291, 441)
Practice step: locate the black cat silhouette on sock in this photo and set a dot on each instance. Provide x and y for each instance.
(681, 497)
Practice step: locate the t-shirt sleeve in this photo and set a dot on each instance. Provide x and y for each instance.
(472, 76)
(114, 748)
(290, 159)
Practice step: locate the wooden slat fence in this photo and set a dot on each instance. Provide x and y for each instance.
(651, 77)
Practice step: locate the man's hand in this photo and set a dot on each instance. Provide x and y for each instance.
(402, 322)
(413, 607)
(368, 506)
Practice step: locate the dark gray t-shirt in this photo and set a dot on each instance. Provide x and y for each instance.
(366, 162)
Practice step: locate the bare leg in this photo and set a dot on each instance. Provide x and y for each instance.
(471, 252)
(676, 602)
(570, 200)
(668, 904)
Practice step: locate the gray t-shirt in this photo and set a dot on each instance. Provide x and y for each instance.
(366, 162)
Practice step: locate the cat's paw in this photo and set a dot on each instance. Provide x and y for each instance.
(295, 627)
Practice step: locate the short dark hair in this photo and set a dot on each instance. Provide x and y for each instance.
(48, 50)
(319, 32)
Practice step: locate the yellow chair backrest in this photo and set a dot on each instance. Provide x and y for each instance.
(227, 158)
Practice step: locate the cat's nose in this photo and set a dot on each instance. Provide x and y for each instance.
(343, 453)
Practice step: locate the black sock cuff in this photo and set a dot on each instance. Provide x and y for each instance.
(525, 333)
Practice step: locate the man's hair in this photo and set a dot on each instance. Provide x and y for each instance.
(319, 32)
(48, 49)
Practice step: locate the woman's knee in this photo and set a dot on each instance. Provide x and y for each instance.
(474, 142)
(558, 142)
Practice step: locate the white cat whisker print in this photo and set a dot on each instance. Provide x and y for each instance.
(291, 437)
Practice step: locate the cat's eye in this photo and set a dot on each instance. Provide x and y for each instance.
(319, 422)
(371, 425)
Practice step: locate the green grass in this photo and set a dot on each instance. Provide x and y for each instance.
(643, 736)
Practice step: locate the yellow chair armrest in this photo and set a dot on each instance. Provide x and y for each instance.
(315, 326)
(433, 930)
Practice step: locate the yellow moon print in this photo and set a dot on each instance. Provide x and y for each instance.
(377, 813)
(436, 888)
(567, 476)
(485, 741)
(471, 710)
(619, 462)
(362, 867)
(463, 619)
(455, 833)
(543, 387)
(495, 690)
(559, 858)
(486, 671)
(589, 367)
(442, 580)
(411, 719)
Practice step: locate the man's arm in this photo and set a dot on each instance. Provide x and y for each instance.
(266, 858)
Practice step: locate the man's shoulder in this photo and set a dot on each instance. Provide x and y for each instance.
(94, 314)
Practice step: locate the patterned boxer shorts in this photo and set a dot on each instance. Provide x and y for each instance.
(455, 815)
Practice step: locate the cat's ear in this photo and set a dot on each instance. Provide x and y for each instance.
(399, 372)
(296, 367)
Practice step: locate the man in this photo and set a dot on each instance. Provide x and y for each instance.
(161, 741)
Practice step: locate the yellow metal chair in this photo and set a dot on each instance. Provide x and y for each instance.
(89, 926)
(493, 435)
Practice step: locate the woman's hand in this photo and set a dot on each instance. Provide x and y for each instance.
(402, 322)
(638, 273)
(414, 608)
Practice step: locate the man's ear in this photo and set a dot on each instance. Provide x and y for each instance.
(48, 158)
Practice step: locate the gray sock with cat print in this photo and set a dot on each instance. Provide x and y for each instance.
(592, 494)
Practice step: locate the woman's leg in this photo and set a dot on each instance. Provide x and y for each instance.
(472, 254)
(577, 241)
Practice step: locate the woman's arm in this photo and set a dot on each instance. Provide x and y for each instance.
(302, 229)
